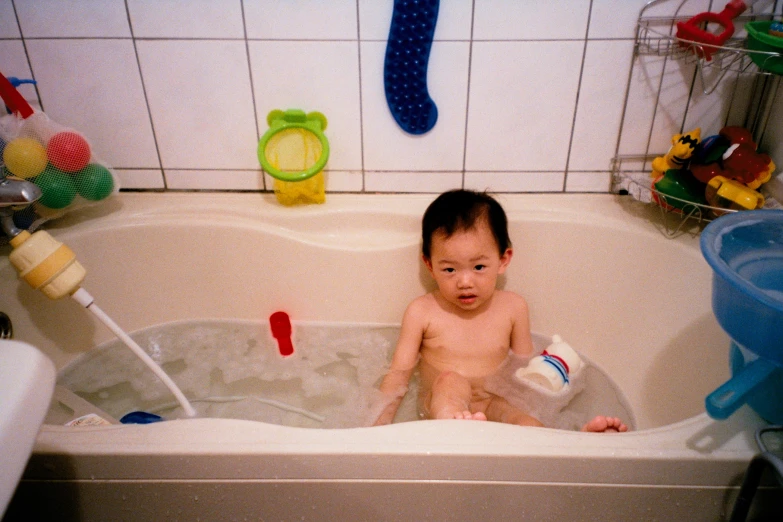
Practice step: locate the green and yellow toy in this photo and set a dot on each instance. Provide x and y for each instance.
(294, 151)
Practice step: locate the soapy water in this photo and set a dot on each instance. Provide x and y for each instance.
(233, 369)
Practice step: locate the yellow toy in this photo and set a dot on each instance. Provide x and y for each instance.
(294, 151)
(681, 150)
(727, 193)
(764, 177)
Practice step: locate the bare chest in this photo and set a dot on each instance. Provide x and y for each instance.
(481, 342)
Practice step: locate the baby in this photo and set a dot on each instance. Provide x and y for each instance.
(460, 333)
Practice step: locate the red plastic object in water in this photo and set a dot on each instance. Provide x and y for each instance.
(280, 325)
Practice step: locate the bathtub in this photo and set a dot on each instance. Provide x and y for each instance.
(594, 268)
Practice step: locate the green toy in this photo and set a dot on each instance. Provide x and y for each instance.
(289, 123)
(678, 189)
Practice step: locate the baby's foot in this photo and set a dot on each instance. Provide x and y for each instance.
(602, 424)
(466, 415)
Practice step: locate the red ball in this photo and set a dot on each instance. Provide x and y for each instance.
(68, 151)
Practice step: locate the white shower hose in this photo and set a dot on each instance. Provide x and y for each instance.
(84, 298)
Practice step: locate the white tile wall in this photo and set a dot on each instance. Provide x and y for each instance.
(8, 26)
(201, 103)
(73, 18)
(195, 19)
(93, 85)
(522, 104)
(530, 95)
(551, 20)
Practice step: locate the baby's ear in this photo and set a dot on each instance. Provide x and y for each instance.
(505, 259)
(427, 262)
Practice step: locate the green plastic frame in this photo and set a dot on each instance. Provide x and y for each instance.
(279, 121)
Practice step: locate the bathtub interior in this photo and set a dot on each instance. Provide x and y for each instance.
(635, 303)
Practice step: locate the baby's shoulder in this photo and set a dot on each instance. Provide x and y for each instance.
(510, 299)
(420, 305)
(423, 302)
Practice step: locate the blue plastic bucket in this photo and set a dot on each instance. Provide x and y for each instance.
(766, 397)
(745, 251)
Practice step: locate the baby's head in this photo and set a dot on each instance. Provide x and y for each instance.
(463, 210)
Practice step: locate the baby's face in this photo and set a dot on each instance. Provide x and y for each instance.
(466, 265)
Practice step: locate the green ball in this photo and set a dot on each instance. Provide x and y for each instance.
(57, 187)
(94, 182)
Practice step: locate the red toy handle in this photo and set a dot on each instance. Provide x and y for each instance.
(280, 325)
(692, 29)
(13, 99)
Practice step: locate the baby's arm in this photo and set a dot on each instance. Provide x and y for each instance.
(406, 356)
(521, 338)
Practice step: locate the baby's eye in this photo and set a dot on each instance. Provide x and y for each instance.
(480, 267)
(448, 270)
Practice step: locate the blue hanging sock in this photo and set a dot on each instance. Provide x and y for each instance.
(140, 417)
(405, 68)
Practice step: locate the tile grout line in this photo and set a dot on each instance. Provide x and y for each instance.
(361, 95)
(467, 95)
(578, 92)
(27, 53)
(146, 98)
(252, 86)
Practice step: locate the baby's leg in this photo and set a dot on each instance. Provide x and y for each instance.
(500, 410)
(449, 398)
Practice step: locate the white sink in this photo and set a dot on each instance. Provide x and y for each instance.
(27, 380)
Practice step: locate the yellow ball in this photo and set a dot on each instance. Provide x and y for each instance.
(24, 157)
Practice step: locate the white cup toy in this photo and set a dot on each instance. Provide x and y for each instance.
(554, 367)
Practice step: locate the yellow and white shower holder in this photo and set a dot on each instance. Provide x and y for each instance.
(294, 151)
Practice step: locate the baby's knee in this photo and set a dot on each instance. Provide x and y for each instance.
(451, 381)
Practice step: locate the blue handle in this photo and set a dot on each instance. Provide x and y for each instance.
(732, 394)
(405, 67)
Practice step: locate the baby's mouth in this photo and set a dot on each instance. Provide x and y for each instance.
(467, 298)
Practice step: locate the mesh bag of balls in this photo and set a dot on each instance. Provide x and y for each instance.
(59, 160)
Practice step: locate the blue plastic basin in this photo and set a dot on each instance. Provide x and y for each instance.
(745, 251)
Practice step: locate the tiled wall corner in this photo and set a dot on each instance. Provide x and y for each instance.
(174, 93)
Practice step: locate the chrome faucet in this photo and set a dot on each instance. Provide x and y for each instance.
(15, 194)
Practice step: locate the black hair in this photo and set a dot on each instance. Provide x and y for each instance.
(461, 210)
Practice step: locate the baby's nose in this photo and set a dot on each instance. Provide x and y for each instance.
(465, 280)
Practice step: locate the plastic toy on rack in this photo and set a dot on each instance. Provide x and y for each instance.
(765, 37)
(680, 152)
(722, 51)
(732, 154)
(672, 186)
(694, 30)
(724, 170)
(685, 196)
(677, 191)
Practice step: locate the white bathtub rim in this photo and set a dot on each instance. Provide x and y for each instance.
(604, 210)
(734, 439)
